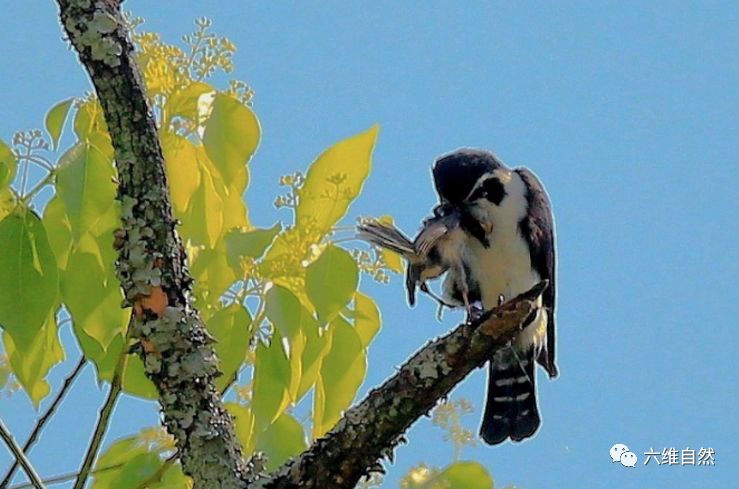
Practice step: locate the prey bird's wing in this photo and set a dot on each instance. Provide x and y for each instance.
(538, 226)
(434, 229)
(386, 236)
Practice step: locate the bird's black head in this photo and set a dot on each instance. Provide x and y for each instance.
(456, 173)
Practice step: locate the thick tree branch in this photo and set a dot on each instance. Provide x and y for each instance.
(41, 422)
(173, 342)
(369, 431)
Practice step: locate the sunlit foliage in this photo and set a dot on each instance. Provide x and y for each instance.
(282, 302)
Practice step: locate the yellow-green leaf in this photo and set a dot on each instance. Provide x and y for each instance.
(231, 136)
(55, 120)
(134, 464)
(29, 279)
(292, 320)
(271, 382)
(463, 475)
(333, 181)
(283, 439)
(230, 327)
(7, 202)
(89, 120)
(212, 274)
(393, 260)
(331, 281)
(244, 426)
(184, 102)
(32, 362)
(92, 293)
(252, 243)
(366, 318)
(59, 230)
(135, 381)
(342, 372)
(8, 165)
(183, 170)
(85, 184)
(203, 221)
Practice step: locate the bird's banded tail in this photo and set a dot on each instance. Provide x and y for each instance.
(510, 408)
(386, 236)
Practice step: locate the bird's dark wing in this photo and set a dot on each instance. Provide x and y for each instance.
(538, 230)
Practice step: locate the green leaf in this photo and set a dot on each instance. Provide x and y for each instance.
(29, 280)
(230, 327)
(271, 382)
(283, 439)
(59, 230)
(91, 291)
(8, 165)
(244, 425)
(287, 314)
(203, 221)
(7, 202)
(331, 281)
(89, 120)
(85, 184)
(135, 381)
(134, 464)
(184, 102)
(334, 180)
(212, 274)
(316, 347)
(183, 169)
(55, 120)
(366, 318)
(252, 243)
(463, 475)
(342, 372)
(31, 362)
(231, 136)
(393, 260)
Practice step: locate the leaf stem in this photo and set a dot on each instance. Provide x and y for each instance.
(41, 422)
(20, 456)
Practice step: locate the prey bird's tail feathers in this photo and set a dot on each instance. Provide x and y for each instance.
(510, 408)
(386, 236)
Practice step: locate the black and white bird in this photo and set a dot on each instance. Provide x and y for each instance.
(509, 247)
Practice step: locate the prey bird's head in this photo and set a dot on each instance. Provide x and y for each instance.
(473, 181)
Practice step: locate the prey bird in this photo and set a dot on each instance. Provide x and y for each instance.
(436, 250)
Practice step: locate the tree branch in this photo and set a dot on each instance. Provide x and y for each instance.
(103, 419)
(20, 456)
(368, 432)
(41, 422)
(172, 340)
(176, 349)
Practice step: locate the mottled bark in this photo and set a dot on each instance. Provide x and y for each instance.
(151, 266)
(171, 337)
(368, 432)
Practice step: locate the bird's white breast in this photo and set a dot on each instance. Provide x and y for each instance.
(504, 268)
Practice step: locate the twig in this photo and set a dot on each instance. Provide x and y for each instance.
(103, 420)
(20, 456)
(67, 477)
(41, 422)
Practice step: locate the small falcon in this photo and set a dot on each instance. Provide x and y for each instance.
(508, 248)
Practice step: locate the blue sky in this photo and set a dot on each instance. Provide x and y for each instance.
(627, 112)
